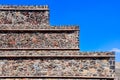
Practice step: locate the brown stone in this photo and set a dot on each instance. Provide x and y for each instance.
(34, 40)
(43, 50)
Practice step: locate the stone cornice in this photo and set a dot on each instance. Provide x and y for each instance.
(24, 7)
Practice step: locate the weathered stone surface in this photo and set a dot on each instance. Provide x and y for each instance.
(55, 67)
(24, 17)
(16, 23)
(24, 7)
(117, 70)
(38, 40)
(35, 26)
(54, 53)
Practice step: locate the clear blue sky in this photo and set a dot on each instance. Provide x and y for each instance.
(99, 20)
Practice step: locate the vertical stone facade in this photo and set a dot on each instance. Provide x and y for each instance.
(39, 40)
(31, 49)
(12, 16)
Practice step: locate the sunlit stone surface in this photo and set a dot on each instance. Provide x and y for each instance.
(52, 51)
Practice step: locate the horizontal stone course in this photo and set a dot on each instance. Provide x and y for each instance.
(44, 79)
(39, 40)
(53, 53)
(23, 7)
(37, 26)
(55, 67)
(24, 17)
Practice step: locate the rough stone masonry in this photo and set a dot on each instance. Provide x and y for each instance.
(31, 49)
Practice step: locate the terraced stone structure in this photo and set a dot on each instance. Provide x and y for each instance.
(31, 49)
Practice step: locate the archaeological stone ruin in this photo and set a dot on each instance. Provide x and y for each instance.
(32, 49)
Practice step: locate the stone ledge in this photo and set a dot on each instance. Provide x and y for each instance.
(65, 27)
(60, 56)
(60, 77)
(55, 53)
(23, 7)
(34, 27)
(38, 49)
(39, 30)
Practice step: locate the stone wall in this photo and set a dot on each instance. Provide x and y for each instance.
(117, 70)
(39, 40)
(24, 17)
(83, 65)
(38, 67)
(30, 47)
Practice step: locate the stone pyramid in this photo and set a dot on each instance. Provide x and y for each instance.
(32, 49)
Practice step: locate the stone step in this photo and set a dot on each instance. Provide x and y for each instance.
(57, 67)
(39, 40)
(55, 53)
